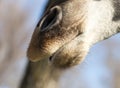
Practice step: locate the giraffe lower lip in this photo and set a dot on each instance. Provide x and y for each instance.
(51, 57)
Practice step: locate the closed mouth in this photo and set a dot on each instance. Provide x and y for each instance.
(51, 57)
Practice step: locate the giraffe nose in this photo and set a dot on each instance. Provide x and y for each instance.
(51, 18)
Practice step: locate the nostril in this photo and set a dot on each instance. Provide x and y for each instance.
(50, 58)
(49, 20)
(52, 18)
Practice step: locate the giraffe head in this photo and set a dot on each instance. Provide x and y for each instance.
(67, 30)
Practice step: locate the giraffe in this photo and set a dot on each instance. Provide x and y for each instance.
(69, 28)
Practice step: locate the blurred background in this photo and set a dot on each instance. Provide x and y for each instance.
(18, 19)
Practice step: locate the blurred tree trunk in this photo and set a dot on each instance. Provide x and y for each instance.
(41, 74)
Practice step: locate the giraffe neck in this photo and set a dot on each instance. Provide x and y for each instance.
(103, 20)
